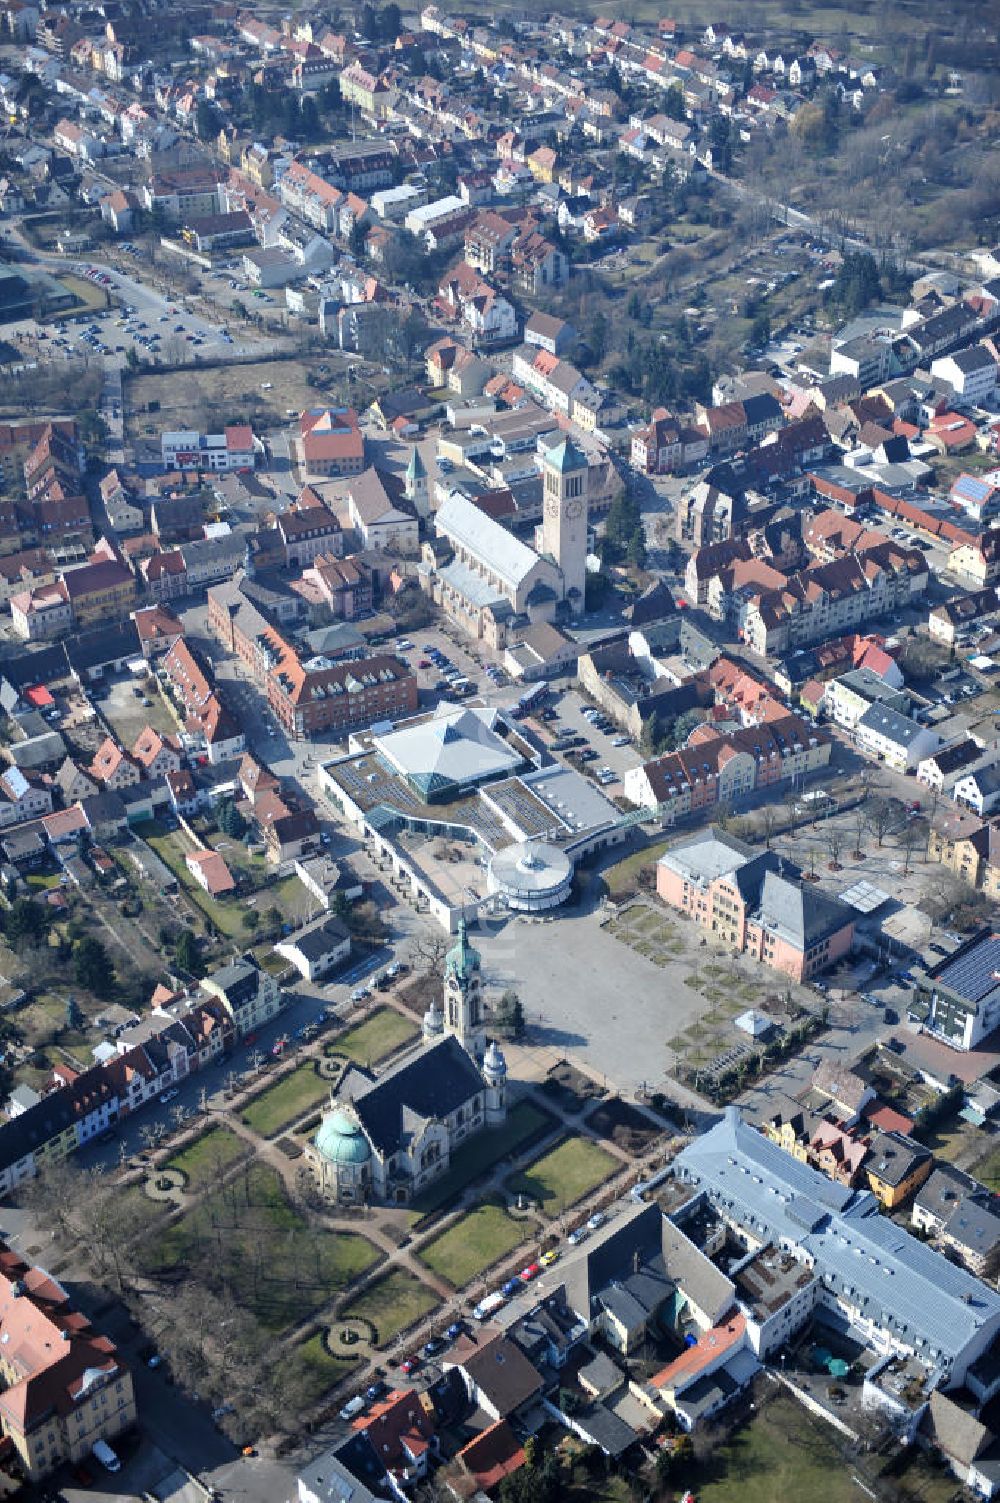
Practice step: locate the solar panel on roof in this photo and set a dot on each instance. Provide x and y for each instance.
(975, 974)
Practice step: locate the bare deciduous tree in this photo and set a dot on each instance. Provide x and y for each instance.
(768, 819)
(882, 817)
(835, 844)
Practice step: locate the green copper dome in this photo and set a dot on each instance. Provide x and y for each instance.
(416, 469)
(341, 1141)
(462, 959)
(566, 458)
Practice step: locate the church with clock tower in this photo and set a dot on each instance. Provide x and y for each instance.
(492, 582)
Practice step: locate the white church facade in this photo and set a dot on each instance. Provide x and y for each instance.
(387, 1139)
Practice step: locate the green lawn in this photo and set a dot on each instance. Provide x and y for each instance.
(368, 1042)
(308, 1371)
(987, 1169)
(472, 1159)
(247, 1238)
(564, 1175)
(473, 1243)
(285, 1101)
(782, 1456)
(171, 846)
(623, 878)
(951, 1139)
(207, 1157)
(391, 1304)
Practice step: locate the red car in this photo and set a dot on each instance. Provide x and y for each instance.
(531, 1272)
(409, 1365)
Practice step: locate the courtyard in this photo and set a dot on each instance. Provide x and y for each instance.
(781, 1453)
(234, 917)
(635, 997)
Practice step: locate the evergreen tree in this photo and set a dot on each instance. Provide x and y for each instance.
(856, 285)
(92, 966)
(230, 820)
(188, 955)
(635, 551)
(673, 103)
(309, 122)
(74, 1014)
(25, 923)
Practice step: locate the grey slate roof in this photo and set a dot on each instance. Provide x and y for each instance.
(103, 645)
(320, 938)
(897, 728)
(894, 1158)
(986, 779)
(433, 1084)
(606, 1429)
(894, 1280)
(799, 912)
(975, 1226)
(484, 538)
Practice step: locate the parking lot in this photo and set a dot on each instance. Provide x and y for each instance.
(139, 321)
(609, 746)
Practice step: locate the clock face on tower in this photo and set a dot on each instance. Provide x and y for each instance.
(573, 510)
(552, 506)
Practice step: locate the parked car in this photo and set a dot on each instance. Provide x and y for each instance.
(104, 1454)
(352, 1408)
(432, 1347)
(598, 1219)
(168, 1096)
(375, 1390)
(511, 1287)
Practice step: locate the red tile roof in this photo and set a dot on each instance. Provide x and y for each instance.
(707, 1350)
(492, 1456)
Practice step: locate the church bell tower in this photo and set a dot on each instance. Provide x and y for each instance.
(564, 518)
(463, 997)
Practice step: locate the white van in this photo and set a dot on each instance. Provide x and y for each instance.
(103, 1453)
(352, 1408)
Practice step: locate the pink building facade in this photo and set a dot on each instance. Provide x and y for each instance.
(753, 904)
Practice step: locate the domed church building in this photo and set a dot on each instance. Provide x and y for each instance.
(389, 1138)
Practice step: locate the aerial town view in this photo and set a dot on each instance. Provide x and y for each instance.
(499, 752)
